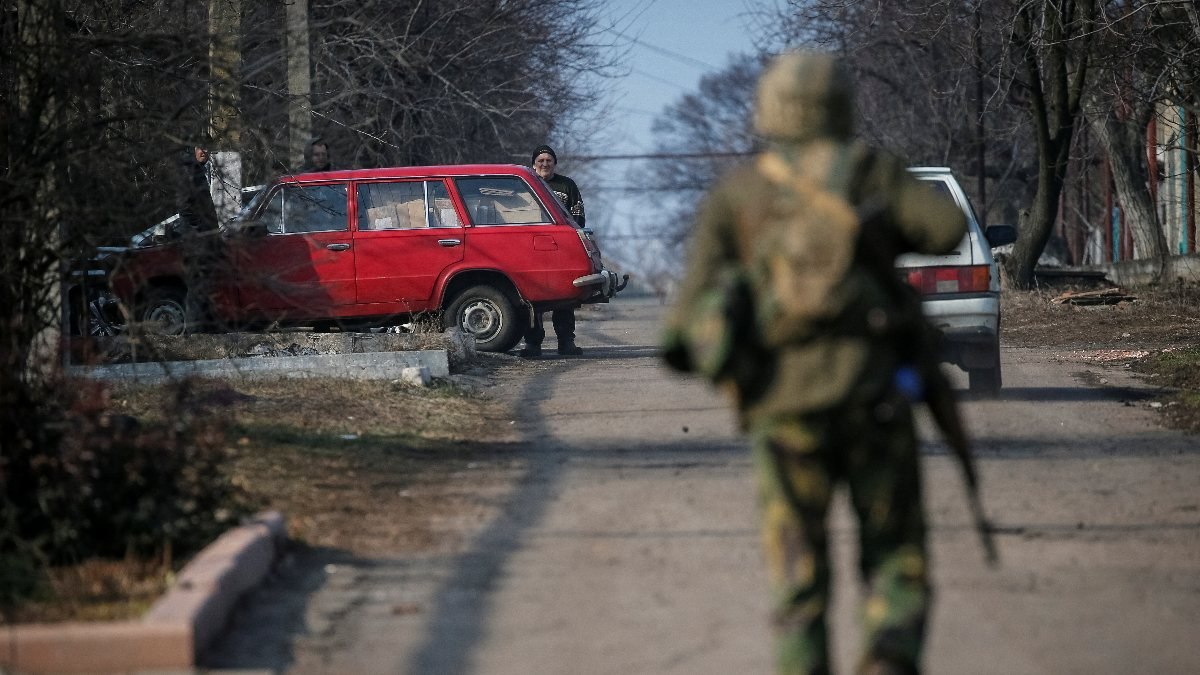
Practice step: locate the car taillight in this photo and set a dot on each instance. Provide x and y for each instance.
(950, 279)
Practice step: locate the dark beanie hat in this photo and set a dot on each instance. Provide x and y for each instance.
(543, 149)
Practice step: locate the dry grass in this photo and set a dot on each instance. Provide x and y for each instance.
(1158, 319)
(369, 467)
(97, 590)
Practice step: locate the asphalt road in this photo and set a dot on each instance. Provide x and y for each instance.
(628, 541)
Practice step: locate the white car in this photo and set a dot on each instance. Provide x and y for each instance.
(960, 291)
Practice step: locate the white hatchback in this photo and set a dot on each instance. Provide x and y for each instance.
(960, 291)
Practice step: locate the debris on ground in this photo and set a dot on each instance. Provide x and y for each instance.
(1107, 296)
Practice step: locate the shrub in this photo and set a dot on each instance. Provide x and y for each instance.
(98, 484)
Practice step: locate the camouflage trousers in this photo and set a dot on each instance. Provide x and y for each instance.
(800, 460)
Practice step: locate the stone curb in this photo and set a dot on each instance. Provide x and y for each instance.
(369, 366)
(175, 630)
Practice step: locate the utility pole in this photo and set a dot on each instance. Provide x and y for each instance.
(299, 81)
(225, 64)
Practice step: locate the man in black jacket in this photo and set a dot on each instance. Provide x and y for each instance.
(200, 231)
(544, 162)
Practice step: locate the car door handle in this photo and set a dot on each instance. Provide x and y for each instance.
(337, 247)
(449, 242)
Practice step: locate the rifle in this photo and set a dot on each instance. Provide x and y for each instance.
(932, 386)
(944, 410)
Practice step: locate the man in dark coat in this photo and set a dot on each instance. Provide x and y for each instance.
(544, 163)
(316, 156)
(199, 229)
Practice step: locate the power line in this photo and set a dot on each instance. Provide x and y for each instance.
(657, 155)
(682, 58)
(643, 188)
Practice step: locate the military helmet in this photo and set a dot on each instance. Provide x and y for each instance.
(804, 94)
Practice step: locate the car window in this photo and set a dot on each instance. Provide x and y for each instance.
(942, 187)
(405, 205)
(501, 200)
(441, 207)
(303, 209)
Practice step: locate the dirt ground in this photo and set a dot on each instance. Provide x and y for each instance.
(1156, 334)
(1155, 319)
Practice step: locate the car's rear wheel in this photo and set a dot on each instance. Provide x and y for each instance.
(489, 314)
(164, 311)
(986, 381)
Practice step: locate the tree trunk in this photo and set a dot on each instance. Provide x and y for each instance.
(1124, 141)
(1055, 41)
(1038, 223)
(299, 80)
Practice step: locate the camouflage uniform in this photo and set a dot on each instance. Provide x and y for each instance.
(820, 401)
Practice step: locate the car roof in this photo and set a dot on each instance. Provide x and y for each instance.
(408, 172)
(930, 170)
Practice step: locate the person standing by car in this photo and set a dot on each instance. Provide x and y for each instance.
(545, 161)
(200, 233)
(790, 301)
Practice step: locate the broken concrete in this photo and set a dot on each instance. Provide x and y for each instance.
(373, 366)
(292, 354)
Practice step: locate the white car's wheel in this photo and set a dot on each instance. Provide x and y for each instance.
(986, 381)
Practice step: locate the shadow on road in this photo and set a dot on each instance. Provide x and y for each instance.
(1064, 394)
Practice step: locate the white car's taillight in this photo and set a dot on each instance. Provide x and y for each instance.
(949, 279)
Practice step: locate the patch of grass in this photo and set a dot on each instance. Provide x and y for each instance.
(96, 590)
(1178, 370)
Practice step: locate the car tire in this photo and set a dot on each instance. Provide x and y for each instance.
(986, 381)
(489, 314)
(164, 311)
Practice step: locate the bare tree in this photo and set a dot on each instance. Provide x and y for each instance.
(1145, 48)
(1052, 40)
(436, 83)
(713, 126)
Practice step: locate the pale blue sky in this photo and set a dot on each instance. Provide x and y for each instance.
(677, 42)
(671, 45)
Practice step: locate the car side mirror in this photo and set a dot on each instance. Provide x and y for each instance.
(999, 235)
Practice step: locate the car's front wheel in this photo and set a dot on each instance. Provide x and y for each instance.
(489, 314)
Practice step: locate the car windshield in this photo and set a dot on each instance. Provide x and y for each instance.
(251, 197)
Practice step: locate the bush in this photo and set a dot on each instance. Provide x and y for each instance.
(102, 485)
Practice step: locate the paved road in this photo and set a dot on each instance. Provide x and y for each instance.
(628, 543)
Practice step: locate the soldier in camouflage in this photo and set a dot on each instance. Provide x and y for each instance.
(792, 304)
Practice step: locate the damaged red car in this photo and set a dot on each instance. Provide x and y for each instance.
(482, 246)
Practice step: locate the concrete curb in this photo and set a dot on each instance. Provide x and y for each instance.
(368, 366)
(175, 630)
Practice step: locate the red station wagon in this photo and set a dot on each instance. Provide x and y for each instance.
(482, 244)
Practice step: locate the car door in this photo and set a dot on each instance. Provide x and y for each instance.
(514, 232)
(300, 261)
(408, 233)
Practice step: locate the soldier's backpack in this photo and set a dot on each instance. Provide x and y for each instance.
(801, 260)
